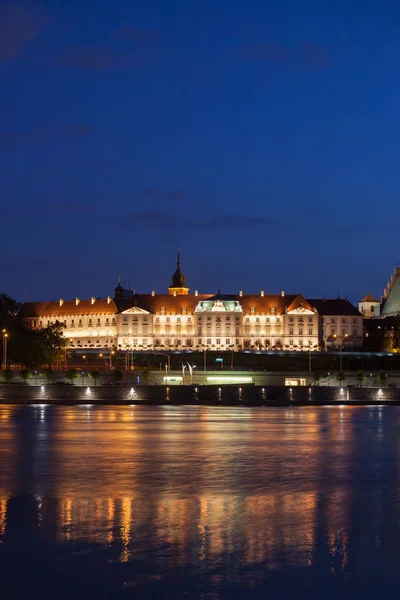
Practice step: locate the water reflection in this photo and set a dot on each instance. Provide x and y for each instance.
(233, 497)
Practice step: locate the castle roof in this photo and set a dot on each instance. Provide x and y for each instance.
(369, 298)
(334, 306)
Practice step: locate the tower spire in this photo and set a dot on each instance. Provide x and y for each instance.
(178, 286)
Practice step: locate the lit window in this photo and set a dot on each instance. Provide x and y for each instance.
(252, 310)
(125, 318)
(257, 320)
(208, 341)
(163, 310)
(218, 341)
(168, 319)
(291, 331)
(290, 342)
(291, 319)
(228, 342)
(300, 331)
(178, 319)
(310, 319)
(310, 331)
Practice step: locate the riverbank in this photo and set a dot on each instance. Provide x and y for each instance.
(227, 395)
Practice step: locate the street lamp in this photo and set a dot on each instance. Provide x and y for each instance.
(168, 366)
(341, 338)
(5, 340)
(205, 358)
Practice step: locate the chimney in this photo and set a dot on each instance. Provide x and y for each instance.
(240, 292)
(196, 292)
(61, 301)
(153, 293)
(262, 293)
(283, 293)
(109, 299)
(77, 300)
(92, 300)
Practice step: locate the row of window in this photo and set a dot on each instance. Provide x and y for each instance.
(291, 331)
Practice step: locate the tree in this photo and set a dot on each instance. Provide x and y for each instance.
(9, 309)
(382, 377)
(118, 375)
(340, 376)
(94, 375)
(72, 374)
(361, 377)
(7, 374)
(317, 377)
(46, 374)
(53, 343)
(25, 374)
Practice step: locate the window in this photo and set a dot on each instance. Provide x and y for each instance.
(168, 319)
(199, 342)
(355, 320)
(372, 310)
(310, 319)
(257, 319)
(247, 320)
(267, 320)
(301, 319)
(237, 331)
(34, 322)
(189, 343)
(237, 342)
(199, 330)
(273, 310)
(163, 310)
(184, 313)
(291, 331)
(252, 310)
(310, 331)
(247, 329)
(290, 342)
(178, 329)
(98, 322)
(178, 342)
(40, 323)
(310, 343)
(124, 329)
(90, 323)
(333, 321)
(157, 319)
(113, 321)
(218, 330)
(258, 330)
(218, 341)
(208, 342)
(144, 319)
(80, 323)
(300, 342)
(125, 318)
(107, 321)
(189, 319)
(291, 319)
(228, 342)
(355, 333)
(300, 331)
(178, 319)
(343, 320)
(72, 323)
(278, 319)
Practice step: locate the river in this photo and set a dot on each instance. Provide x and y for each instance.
(196, 502)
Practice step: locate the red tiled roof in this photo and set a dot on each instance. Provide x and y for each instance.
(334, 306)
(369, 298)
(69, 307)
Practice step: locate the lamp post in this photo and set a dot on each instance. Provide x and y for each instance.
(204, 358)
(231, 357)
(5, 340)
(168, 366)
(341, 338)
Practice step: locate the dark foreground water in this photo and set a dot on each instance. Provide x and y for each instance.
(191, 502)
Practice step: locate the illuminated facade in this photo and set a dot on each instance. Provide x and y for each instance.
(179, 320)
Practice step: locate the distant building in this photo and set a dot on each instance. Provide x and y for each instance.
(369, 307)
(391, 296)
(179, 320)
(340, 323)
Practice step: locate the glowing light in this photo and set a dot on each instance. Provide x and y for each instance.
(220, 380)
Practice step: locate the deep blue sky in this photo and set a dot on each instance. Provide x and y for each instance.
(261, 136)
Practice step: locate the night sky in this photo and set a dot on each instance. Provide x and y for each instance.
(261, 136)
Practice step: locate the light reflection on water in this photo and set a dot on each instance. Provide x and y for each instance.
(201, 502)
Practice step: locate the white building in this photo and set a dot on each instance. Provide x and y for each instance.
(179, 320)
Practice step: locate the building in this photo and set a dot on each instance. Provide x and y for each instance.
(369, 307)
(180, 320)
(340, 323)
(391, 296)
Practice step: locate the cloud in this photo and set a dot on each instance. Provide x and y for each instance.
(96, 59)
(304, 56)
(162, 220)
(137, 35)
(67, 207)
(43, 133)
(160, 195)
(18, 27)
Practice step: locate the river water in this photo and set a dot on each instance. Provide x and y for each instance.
(194, 502)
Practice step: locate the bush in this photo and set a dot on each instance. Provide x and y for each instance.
(25, 374)
(72, 374)
(94, 375)
(7, 374)
(118, 375)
